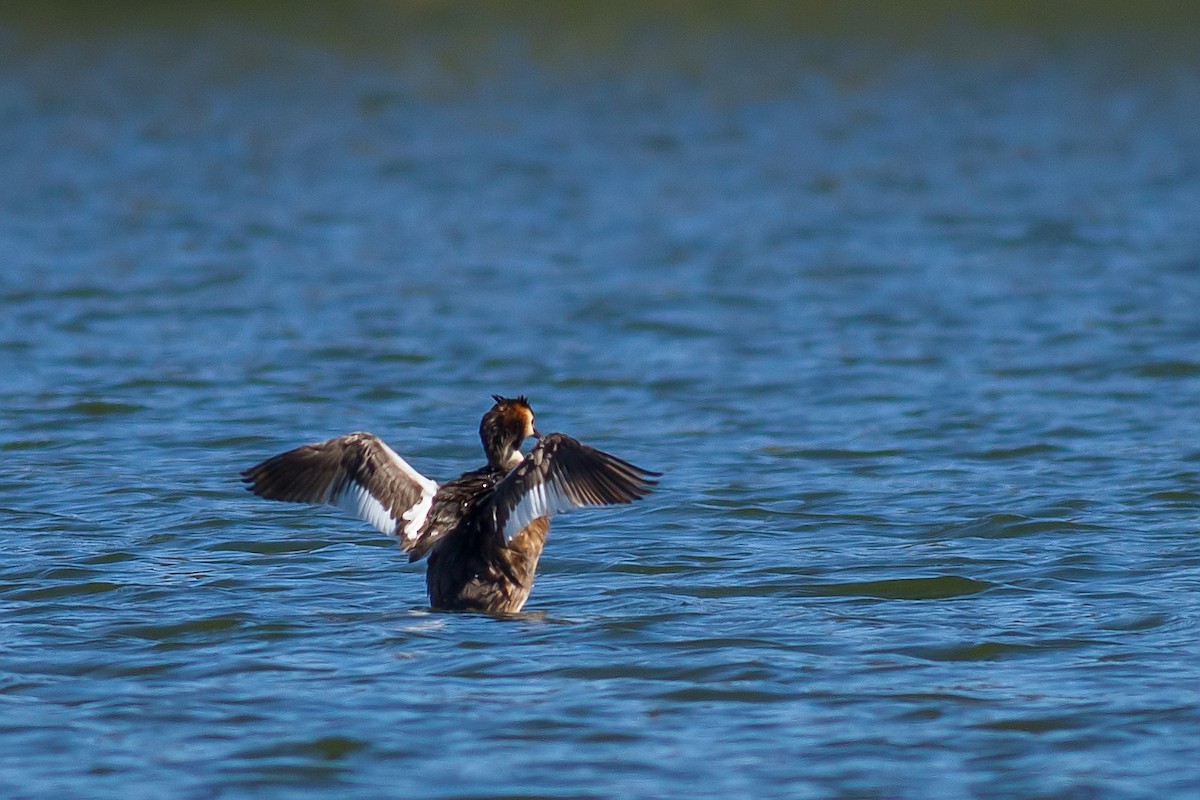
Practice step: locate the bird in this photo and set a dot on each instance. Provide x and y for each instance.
(483, 532)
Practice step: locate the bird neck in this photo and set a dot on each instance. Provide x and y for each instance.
(504, 458)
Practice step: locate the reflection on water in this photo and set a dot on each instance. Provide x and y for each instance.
(902, 302)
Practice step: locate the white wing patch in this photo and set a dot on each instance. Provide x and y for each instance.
(359, 502)
(560, 474)
(414, 517)
(542, 500)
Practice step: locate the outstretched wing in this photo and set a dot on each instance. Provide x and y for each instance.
(357, 473)
(560, 474)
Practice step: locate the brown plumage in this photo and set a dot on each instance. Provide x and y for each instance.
(484, 530)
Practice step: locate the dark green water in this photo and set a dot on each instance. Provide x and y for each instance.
(906, 307)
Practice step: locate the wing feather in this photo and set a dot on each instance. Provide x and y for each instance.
(561, 474)
(357, 473)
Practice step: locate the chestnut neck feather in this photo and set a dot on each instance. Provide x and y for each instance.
(502, 431)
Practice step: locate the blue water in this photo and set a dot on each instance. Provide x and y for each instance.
(909, 319)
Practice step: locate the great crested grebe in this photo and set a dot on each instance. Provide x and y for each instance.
(484, 530)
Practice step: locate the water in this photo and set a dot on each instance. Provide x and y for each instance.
(906, 314)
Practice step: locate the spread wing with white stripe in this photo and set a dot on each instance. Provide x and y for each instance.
(357, 473)
(560, 474)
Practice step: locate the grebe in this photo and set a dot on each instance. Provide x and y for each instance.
(484, 530)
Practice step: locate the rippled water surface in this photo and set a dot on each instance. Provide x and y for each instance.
(909, 317)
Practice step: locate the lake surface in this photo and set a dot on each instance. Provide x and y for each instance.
(908, 312)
